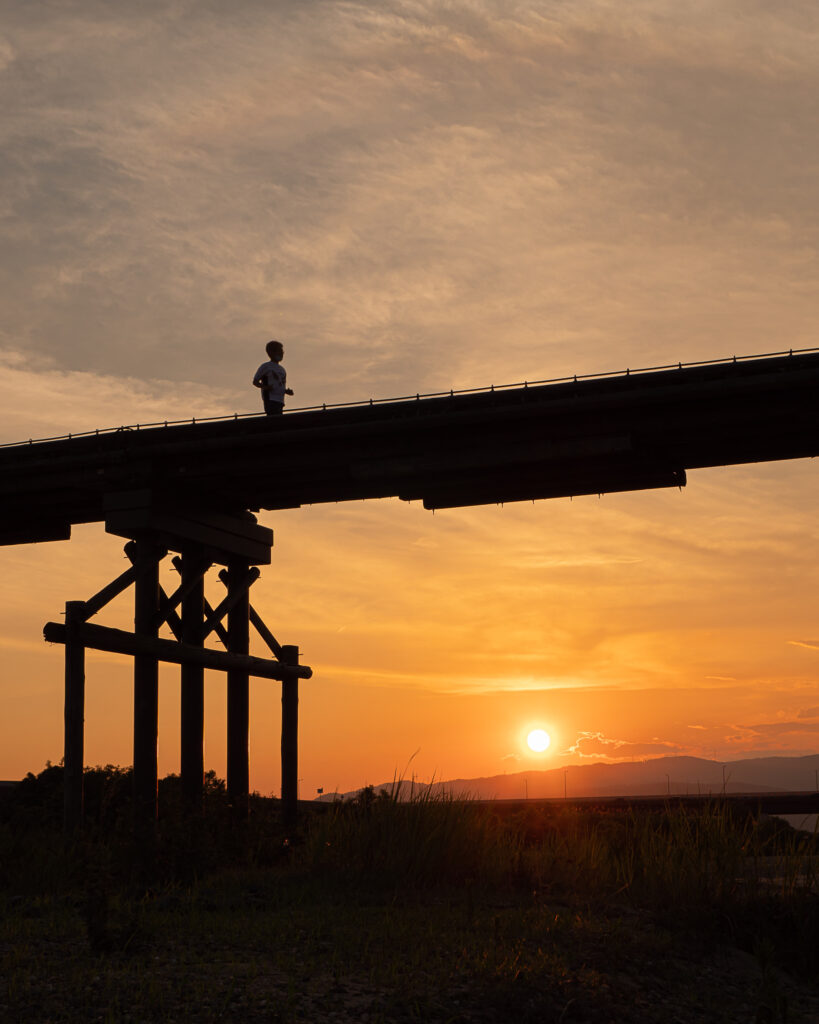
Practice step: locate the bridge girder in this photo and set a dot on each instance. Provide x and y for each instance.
(587, 437)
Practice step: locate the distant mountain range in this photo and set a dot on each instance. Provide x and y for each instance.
(657, 777)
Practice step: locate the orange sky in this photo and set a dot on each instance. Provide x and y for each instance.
(418, 197)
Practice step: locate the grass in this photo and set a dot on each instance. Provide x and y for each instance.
(426, 909)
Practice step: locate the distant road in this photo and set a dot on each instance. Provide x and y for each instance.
(766, 803)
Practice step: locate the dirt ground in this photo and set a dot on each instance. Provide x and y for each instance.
(435, 964)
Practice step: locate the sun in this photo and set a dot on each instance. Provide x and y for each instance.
(538, 740)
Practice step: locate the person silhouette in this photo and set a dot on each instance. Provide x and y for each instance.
(271, 377)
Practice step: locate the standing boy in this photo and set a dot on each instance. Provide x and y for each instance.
(272, 379)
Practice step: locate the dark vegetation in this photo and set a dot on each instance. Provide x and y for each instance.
(386, 909)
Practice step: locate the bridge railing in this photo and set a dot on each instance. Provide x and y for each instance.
(607, 375)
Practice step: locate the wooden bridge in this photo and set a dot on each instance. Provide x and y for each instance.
(193, 487)
(629, 431)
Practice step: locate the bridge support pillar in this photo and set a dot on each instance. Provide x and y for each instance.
(74, 749)
(290, 738)
(241, 545)
(146, 559)
(238, 688)
(192, 700)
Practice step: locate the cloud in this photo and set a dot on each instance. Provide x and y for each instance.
(782, 728)
(7, 53)
(595, 744)
(403, 189)
(41, 400)
(809, 713)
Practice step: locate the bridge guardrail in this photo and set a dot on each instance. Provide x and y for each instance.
(608, 375)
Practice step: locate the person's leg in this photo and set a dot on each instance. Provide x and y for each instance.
(272, 408)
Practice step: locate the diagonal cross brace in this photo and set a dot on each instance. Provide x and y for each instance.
(167, 606)
(229, 601)
(115, 587)
(168, 614)
(259, 624)
(217, 627)
(170, 603)
(108, 593)
(265, 633)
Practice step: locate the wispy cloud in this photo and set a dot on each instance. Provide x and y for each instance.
(36, 396)
(403, 190)
(783, 728)
(595, 745)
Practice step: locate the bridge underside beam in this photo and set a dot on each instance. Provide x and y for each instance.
(33, 531)
(497, 491)
(219, 537)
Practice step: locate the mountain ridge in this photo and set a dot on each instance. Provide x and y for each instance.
(660, 776)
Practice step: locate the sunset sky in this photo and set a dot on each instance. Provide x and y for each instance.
(416, 196)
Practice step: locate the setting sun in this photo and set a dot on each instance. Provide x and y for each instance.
(538, 740)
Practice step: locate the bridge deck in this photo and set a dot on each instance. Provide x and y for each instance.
(589, 436)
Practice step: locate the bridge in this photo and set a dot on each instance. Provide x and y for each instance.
(194, 488)
(628, 431)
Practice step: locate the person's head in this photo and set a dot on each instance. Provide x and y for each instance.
(275, 351)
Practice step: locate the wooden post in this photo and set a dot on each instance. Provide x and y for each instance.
(146, 685)
(74, 750)
(290, 738)
(238, 691)
(192, 760)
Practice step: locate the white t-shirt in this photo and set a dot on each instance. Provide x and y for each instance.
(274, 380)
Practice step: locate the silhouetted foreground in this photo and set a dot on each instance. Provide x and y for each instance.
(426, 910)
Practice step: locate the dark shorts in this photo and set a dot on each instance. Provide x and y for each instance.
(272, 408)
